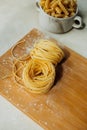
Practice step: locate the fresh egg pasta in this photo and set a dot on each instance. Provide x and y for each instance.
(47, 50)
(38, 76)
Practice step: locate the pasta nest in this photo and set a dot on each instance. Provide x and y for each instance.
(47, 50)
(38, 75)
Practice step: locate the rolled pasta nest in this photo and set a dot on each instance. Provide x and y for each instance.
(47, 50)
(38, 75)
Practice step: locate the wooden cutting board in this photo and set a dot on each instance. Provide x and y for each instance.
(64, 107)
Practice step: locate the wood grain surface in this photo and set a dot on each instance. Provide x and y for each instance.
(64, 107)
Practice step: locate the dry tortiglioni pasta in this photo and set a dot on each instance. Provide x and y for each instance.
(38, 76)
(59, 8)
(47, 50)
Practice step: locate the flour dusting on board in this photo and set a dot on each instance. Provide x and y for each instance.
(36, 105)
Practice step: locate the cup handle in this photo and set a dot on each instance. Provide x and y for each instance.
(37, 5)
(77, 22)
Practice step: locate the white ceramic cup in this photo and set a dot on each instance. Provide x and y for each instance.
(58, 25)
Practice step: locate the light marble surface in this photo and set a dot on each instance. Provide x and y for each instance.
(17, 18)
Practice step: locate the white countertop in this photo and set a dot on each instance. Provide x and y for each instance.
(17, 18)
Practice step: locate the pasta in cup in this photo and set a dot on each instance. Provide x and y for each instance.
(59, 16)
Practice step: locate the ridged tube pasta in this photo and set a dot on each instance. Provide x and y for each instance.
(47, 50)
(38, 76)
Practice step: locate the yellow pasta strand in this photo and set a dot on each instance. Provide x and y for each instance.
(23, 57)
